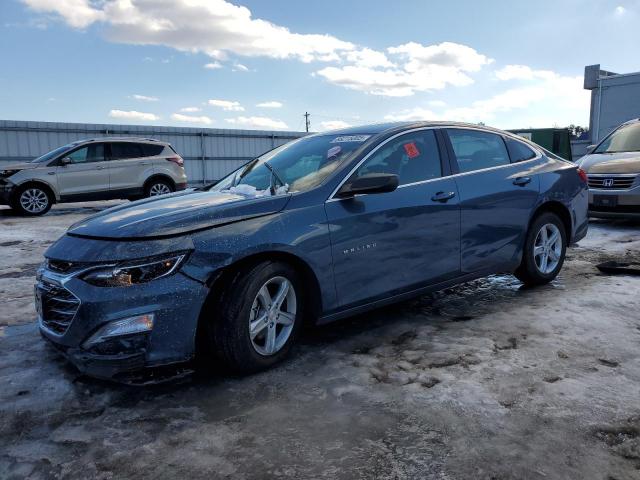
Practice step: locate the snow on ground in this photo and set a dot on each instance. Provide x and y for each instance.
(484, 380)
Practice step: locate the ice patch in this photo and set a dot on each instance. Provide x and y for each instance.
(251, 191)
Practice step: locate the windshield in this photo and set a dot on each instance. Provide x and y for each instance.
(294, 167)
(625, 139)
(53, 153)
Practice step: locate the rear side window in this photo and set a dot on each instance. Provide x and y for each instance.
(476, 150)
(150, 150)
(518, 151)
(414, 157)
(122, 150)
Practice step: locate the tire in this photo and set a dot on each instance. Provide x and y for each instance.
(158, 187)
(241, 306)
(32, 200)
(533, 270)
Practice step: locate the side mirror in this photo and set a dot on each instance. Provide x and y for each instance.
(591, 148)
(65, 161)
(370, 183)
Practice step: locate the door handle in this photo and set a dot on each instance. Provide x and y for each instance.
(443, 196)
(51, 173)
(145, 163)
(99, 167)
(522, 181)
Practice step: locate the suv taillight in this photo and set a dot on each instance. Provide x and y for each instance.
(583, 175)
(177, 160)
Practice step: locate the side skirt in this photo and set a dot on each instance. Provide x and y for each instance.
(351, 311)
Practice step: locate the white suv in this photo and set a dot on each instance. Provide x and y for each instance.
(98, 169)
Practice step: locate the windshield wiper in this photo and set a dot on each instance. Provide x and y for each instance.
(274, 176)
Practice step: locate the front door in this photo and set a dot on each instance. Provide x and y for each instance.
(86, 176)
(388, 243)
(497, 197)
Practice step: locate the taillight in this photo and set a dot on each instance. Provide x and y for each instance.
(583, 175)
(177, 160)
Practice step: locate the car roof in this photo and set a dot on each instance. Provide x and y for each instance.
(121, 139)
(391, 127)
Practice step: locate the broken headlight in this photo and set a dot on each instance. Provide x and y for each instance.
(132, 273)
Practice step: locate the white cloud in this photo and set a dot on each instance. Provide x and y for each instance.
(191, 119)
(413, 114)
(546, 98)
(238, 67)
(77, 13)
(213, 27)
(522, 72)
(133, 115)
(144, 98)
(227, 105)
(333, 125)
(619, 11)
(417, 68)
(212, 65)
(258, 122)
(367, 57)
(272, 104)
(190, 109)
(437, 103)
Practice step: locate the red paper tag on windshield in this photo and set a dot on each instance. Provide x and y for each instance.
(411, 150)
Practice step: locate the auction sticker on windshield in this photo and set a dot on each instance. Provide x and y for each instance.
(350, 138)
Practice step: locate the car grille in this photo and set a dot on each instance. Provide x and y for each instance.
(618, 182)
(58, 306)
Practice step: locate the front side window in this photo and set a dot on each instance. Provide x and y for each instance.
(89, 154)
(296, 166)
(625, 139)
(414, 157)
(123, 150)
(53, 153)
(476, 150)
(518, 151)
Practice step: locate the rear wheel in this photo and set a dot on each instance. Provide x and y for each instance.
(32, 200)
(158, 187)
(257, 317)
(544, 250)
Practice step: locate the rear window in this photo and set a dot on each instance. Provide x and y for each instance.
(477, 150)
(518, 151)
(121, 150)
(150, 150)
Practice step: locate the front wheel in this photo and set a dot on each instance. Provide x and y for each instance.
(32, 200)
(544, 250)
(257, 317)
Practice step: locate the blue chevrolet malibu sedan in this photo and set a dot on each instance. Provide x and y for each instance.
(323, 227)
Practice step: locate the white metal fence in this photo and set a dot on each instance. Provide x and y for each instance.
(209, 153)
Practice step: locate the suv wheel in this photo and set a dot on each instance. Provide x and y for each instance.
(257, 317)
(158, 187)
(544, 250)
(32, 200)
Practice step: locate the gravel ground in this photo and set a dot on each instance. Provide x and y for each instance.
(485, 380)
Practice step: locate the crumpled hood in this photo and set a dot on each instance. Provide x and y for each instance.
(176, 214)
(627, 162)
(19, 166)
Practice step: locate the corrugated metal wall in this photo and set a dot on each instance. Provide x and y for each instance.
(209, 153)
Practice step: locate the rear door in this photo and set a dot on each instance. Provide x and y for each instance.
(497, 197)
(387, 243)
(86, 176)
(128, 167)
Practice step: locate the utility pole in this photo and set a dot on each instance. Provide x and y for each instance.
(306, 121)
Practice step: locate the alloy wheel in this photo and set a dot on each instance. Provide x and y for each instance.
(547, 248)
(34, 200)
(159, 189)
(272, 317)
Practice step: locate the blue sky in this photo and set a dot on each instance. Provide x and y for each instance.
(507, 64)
